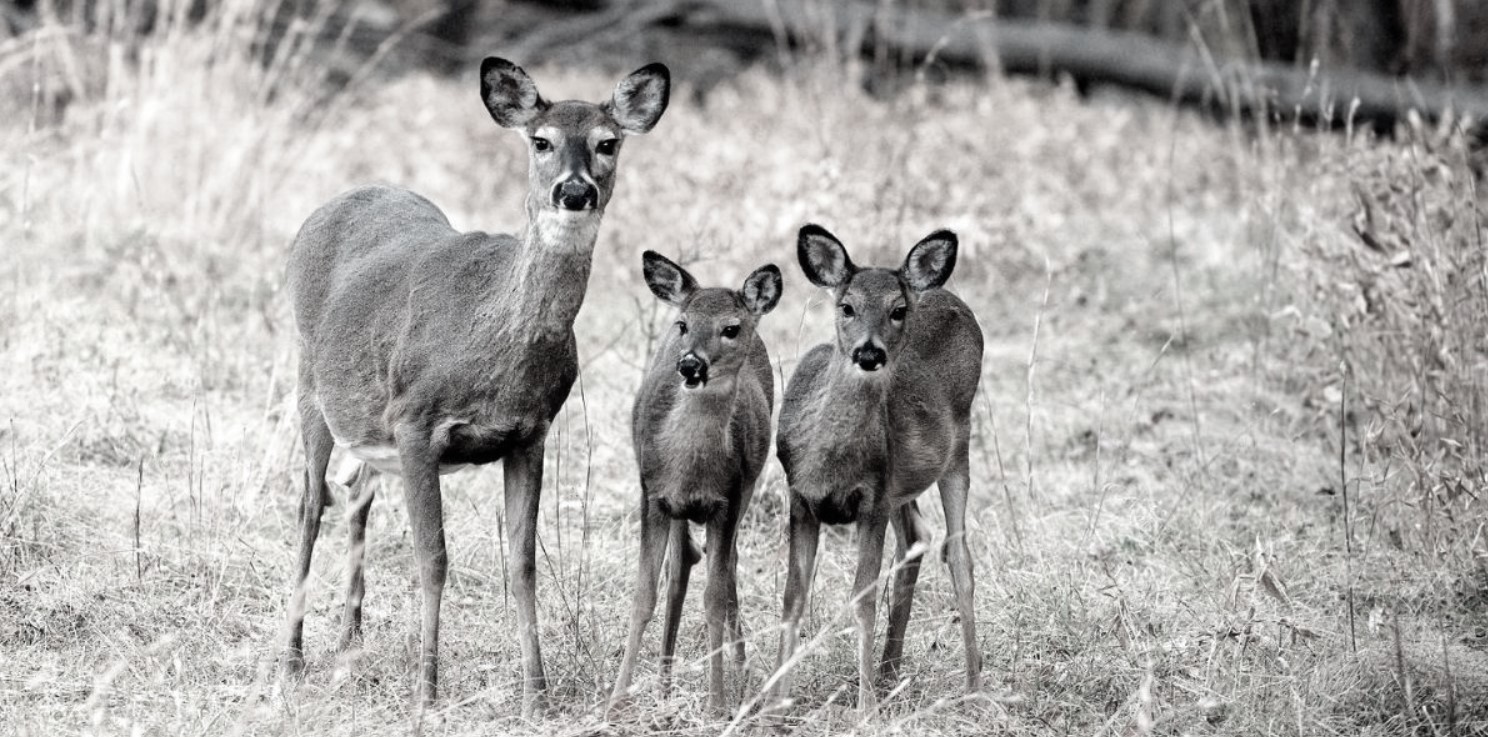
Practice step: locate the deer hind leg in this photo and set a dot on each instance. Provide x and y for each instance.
(954, 487)
(655, 528)
(735, 625)
(720, 599)
(910, 537)
(363, 490)
(871, 531)
(805, 533)
(316, 436)
(426, 517)
(683, 556)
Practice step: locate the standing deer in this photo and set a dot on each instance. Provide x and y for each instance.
(867, 424)
(701, 427)
(424, 349)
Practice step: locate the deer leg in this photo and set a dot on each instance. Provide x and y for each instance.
(871, 532)
(718, 599)
(426, 517)
(805, 532)
(910, 535)
(735, 625)
(523, 470)
(316, 436)
(683, 556)
(655, 528)
(363, 489)
(954, 488)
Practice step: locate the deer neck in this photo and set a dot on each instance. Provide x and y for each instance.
(552, 268)
(708, 405)
(854, 399)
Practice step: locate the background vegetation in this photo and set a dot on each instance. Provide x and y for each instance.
(1228, 456)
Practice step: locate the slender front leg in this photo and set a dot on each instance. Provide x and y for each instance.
(910, 534)
(523, 469)
(426, 516)
(655, 529)
(316, 497)
(954, 488)
(871, 532)
(805, 531)
(363, 490)
(683, 556)
(718, 599)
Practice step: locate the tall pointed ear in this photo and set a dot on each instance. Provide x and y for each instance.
(641, 98)
(931, 261)
(669, 282)
(823, 258)
(510, 95)
(762, 289)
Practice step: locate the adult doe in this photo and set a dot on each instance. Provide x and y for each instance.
(867, 424)
(424, 349)
(701, 428)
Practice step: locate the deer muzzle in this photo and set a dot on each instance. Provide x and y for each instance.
(575, 195)
(870, 357)
(693, 370)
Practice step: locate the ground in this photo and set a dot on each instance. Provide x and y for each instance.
(1178, 313)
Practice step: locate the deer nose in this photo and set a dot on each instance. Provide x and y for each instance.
(575, 194)
(869, 357)
(694, 370)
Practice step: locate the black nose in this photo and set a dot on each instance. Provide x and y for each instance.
(869, 357)
(575, 194)
(694, 370)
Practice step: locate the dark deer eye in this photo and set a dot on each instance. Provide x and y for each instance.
(897, 314)
(731, 331)
(541, 144)
(607, 147)
(847, 310)
(681, 328)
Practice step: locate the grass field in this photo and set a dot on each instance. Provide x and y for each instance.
(1227, 453)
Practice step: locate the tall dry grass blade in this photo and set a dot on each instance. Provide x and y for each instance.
(1030, 375)
(1007, 489)
(1451, 684)
(1348, 532)
(1193, 397)
(1407, 687)
(139, 487)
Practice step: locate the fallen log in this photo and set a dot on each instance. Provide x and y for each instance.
(1181, 72)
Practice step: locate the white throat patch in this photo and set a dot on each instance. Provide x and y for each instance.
(568, 230)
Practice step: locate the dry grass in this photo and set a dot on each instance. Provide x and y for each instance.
(1156, 513)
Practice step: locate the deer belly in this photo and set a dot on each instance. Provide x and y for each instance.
(382, 458)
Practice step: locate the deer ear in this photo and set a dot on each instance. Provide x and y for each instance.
(762, 289)
(669, 282)
(641, 98)
(823, 258)
(510, 95)
(931, 261)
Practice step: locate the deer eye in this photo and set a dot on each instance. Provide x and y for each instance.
(541, 144)
(681, 328)
(731, 331)
(607, 147)
(847, 310)
(897, 314)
